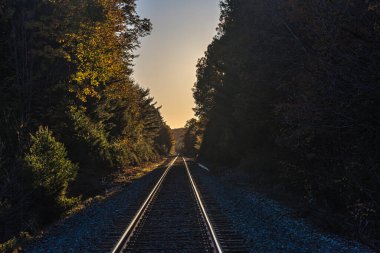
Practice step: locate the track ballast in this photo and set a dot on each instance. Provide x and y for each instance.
(174, 218)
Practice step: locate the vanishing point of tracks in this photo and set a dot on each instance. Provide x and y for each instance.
(176, 217)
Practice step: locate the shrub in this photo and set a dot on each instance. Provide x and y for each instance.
(48, 164)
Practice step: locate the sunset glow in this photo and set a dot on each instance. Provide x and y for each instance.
(182, 30)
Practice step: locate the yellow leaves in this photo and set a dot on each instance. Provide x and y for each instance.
(122, 90)
(97, 53)
(84, 85)
(85, 93)
(90, 92)
(67, 57)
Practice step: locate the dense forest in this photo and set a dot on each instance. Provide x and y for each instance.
(289, 92)
(69, 109)
(179, 134)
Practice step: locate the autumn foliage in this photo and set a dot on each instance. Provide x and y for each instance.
(69, 109)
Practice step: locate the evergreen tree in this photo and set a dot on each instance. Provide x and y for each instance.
(67, 65)
(290, 90)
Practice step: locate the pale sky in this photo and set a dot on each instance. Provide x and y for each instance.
(182, 30)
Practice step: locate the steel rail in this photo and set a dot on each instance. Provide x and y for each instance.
(136, 219)
(210, 228)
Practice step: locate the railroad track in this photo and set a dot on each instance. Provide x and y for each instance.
(175, 218)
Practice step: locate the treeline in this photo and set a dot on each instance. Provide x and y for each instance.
(179, 134)
(291, 91)
(192, 138)
(69, 109)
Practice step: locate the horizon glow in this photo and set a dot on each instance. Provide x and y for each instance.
(182, 30)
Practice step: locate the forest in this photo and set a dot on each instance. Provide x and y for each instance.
(288, 92)
(287, 95)
(69, 108)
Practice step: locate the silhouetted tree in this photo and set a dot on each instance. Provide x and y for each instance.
(290, 89)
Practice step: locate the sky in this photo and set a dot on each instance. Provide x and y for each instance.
(182, 30)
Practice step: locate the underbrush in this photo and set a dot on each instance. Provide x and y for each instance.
(98, 189)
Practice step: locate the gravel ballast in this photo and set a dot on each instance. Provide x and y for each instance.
(83, 231)
(267, 225)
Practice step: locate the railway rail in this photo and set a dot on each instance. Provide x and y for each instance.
(175, 217)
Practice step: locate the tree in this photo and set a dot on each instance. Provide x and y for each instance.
(289, 89)
(193, 137)
(47, 161)
(67, 65)
(165, 142)
(50, 170)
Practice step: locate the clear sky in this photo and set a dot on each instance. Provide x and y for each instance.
(182, 30)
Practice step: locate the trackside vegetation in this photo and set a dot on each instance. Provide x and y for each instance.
(69, 110)
(289, 91)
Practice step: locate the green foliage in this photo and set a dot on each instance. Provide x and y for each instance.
(193, 137)
(47, 161)
(92, 136)
(67, 65)
(179, 135)
(164, 142)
